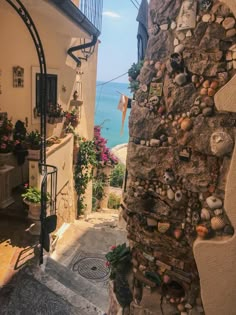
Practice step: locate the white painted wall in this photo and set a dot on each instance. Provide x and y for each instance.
(57, 33)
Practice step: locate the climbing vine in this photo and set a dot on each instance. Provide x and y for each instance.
(83, 173)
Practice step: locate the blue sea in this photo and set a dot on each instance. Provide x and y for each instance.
(107, 114)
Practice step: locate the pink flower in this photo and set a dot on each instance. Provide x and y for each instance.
(3, 146)
(26, 185)
(17, 142)
(107, 264)
(113, 247)
(5, 138)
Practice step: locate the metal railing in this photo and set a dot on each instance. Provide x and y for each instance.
(92, 9)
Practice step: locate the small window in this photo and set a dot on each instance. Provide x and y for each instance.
(51, 90)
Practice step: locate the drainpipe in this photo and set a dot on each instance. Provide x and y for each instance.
(71, 50)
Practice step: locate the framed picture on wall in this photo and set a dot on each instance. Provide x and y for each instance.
(18, 77)
(3, 116)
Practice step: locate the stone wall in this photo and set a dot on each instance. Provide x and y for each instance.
(179, 156)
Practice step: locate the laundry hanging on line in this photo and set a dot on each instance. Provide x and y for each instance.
(124, 103)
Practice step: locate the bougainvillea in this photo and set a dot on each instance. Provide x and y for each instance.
(103, 153)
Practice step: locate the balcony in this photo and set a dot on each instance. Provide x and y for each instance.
(92, 9)
(85, 13)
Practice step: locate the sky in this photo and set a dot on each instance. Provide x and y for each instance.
(118, 48)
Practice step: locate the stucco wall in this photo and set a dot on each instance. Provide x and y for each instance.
(57, 33)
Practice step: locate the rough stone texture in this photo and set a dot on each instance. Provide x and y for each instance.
(173, 170)
(163, 11)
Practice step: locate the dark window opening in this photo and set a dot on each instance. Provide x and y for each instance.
(51, 90)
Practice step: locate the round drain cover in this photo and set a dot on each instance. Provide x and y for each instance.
(92, 268)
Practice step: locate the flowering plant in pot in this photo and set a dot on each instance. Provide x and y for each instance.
(6, 144)
(6, 127)
(20, 147)
(118, 257)
(72, 118)
(55, 113)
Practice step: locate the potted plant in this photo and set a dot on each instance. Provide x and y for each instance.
(32, 197)
(55, 113)
(20, 147)
(72, 118)
(33, 139)
(6, 144)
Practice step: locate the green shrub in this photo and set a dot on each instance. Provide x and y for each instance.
(114, 201)
(117, 176)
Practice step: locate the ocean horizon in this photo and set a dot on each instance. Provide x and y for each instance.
(107, 115)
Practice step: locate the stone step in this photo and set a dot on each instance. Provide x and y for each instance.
(78, 304)
(96, 296)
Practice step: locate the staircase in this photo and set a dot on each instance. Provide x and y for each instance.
(83, 295)
(51, 289)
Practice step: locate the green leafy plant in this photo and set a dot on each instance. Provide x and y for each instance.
(119, 255)
(114, 201)
(117, 175)
(83, 174)
(33, 139)
(133, 73)
(33, 195)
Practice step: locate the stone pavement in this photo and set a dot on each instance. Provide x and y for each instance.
(16, 247)
(57, 288)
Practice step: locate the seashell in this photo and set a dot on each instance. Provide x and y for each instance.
(195, 78)
(155, 142)
(214, 202)
(218, 212)
(178, 195)
(178, 233)
(206, 84)
(203, 91)
(170, 194)
(228, 230)
(144, 88)
(230, 33)
(195, 111)
(151, 222)
(163, 227)
(195, 218)
(207, 111)
(161, 110)
(205, 214)
(154, 99)
(228, 23)
(181, 307)
(169, 177)
(180, 79)
(211, 92)
(214, 85)
(217, 223)
(221, 143)
(206, 18)
(202, 231)
(186, 124)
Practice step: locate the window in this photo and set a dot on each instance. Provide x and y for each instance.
(51, 90)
